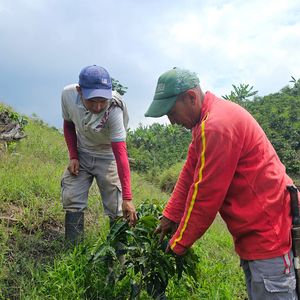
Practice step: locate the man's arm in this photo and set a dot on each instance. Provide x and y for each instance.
(120, 152)
(71, 141)
(218, 158)
(117, 133)
(175, 208)
(176, 205)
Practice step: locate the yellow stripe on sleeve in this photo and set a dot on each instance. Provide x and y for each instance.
(196, 185)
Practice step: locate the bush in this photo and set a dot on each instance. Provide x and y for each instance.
(147, 265)
(169, 178)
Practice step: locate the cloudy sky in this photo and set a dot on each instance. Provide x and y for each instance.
(45, 43)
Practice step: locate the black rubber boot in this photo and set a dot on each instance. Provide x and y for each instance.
(74, 227)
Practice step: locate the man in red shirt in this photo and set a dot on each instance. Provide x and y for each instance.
(231, 168)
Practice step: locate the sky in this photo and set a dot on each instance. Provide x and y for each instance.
(45, 44)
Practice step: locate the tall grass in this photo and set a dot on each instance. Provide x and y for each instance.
(35, 264)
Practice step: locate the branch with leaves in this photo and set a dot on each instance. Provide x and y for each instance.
(240, 94)
(116, 86)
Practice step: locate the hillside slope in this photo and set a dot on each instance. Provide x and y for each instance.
(31, 214)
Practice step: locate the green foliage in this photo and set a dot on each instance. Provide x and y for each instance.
(33, 176)
(33, 261)
(279, 115)
(219, 266)
(240, 94)
(35, 265)
(19, 118)
(14, 116)
(146, 263)
(116, 86)
(157, 147)
(293, 80)
(168, 178)
(292, 91)
(11, 147)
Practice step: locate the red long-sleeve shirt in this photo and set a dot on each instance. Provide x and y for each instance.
(232, 168)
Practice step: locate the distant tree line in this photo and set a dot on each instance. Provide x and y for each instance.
(157, 147)
(279, 116)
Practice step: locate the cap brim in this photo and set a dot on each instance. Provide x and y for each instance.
(160, 107)
(93, 93)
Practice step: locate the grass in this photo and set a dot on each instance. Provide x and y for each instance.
(35, 264)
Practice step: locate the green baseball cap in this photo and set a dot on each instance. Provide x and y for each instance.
(169, 86)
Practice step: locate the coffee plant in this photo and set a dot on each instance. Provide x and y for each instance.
(146, 263)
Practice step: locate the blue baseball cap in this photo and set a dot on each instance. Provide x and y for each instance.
(94, 81)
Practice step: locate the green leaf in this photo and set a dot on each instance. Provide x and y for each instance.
(144, 229)
(164, 244)
(179, 267)
(104, 250)
(133, 248)
(131, 233)
(95, 246)
(117, 230)
(142, 260)
(110, 280)
(164, 260)
(148, 221)
(162, 273)
(191, 272)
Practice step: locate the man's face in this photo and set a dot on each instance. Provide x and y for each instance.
(182, 112)
(95, 105)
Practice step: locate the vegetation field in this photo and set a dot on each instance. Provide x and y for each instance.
(35, 264)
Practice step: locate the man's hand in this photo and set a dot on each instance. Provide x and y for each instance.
(73, 167)
(129, 210)
(166, 226)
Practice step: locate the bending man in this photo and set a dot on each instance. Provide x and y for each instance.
(95, 122)
(233, 169)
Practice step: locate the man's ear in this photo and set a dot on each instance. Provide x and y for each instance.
(191, 95)
(78, 90)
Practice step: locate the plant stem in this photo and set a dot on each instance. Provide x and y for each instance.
(140, 287)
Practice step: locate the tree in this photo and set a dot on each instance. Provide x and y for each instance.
(116, 86)
(240, 94)
(295, 90)
(157, 146)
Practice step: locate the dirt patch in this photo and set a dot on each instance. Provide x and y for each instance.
(11, 210)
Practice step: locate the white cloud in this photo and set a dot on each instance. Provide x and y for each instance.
(187, 30)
